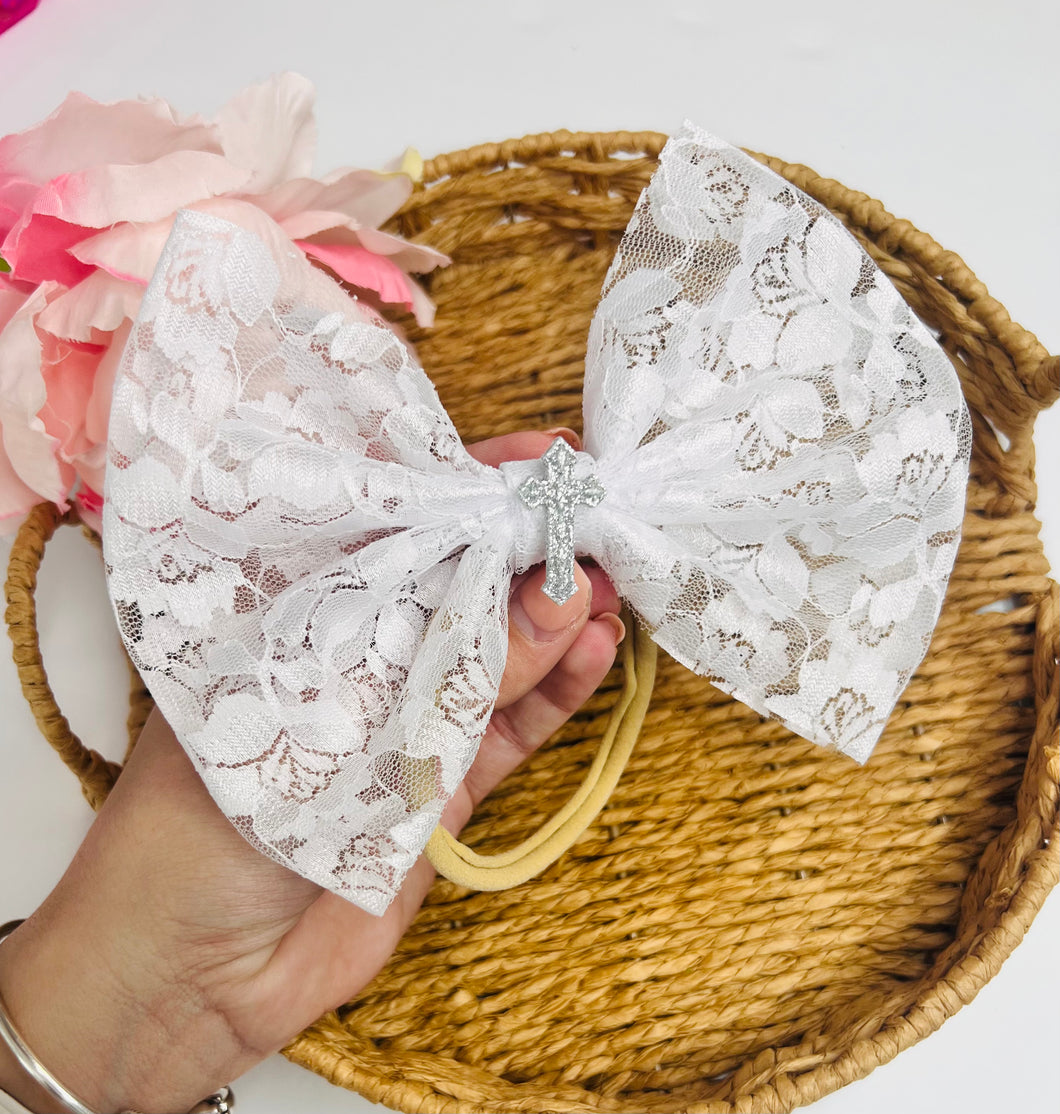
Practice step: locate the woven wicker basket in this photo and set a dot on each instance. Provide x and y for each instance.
(752, 922)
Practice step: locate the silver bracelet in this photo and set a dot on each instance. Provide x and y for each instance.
(220, 1102)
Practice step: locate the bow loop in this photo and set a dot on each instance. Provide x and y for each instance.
(759, 396)
(297, 553)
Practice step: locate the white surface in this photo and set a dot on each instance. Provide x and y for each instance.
(944, 110)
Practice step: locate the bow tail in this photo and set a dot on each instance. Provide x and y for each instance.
(792, 439)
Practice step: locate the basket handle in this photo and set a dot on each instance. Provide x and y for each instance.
(96, 773)
(457, 862)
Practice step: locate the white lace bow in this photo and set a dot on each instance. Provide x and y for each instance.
(312, 575)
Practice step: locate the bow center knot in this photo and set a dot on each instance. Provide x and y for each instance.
(558, 493)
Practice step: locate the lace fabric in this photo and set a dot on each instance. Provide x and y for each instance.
(312, 574)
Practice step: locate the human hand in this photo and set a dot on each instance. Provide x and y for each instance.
(173, 956)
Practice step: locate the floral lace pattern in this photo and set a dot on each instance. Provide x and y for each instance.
(312, 574)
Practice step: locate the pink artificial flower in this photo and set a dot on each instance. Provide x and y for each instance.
(11, 11)
(87, 200)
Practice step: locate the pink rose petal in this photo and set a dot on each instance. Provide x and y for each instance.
(130, 252)
(102, 195)
(11, 11)
(87, 201)
(68, 373)
(363, 196)
(422, 306)
(69, 207)
(127, 251)
(89, 507)
(83, 133)
(409, 257)
(16, 195)
(92, 500)
(311, 222)
(28, 446)
(100, 303)
(360, 267)
(368, 197)
(39, 251)
(9, 282)
(269, 130)
(91, 465)
(15, 497)
(11, 301)
(97, 413)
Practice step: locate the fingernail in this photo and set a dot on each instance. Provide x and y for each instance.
(568, 435)
(618, 628)
(538, 617)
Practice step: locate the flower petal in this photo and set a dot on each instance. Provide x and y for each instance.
(409, 257)
(69, 206)
(100, 303)
(38, 250)
(68, 373)
(128, 252)
(360, 267)
(269, 130)
(15, 496)
(83, 132)
(422, 306)
(27, 444)
(365, 196)
(89, 508)
(409, 163)
(8, 282)
(98, 411)
(131, 251)
(101, 195)
(11, 301)
(312, 222)
(16, 194)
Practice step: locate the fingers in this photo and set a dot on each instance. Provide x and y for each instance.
(337, 948)
(557, 657)
(519, 729)
(557, 654)
(605, 598)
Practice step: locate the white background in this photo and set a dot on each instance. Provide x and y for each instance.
(945, 111)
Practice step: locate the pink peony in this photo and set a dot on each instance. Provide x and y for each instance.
(87, 199)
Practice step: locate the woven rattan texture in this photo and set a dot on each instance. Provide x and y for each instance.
(752, 922)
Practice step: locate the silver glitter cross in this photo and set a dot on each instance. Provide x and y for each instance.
(559, 493)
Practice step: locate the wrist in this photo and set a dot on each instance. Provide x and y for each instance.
(153, 1048)
(19, 1084)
